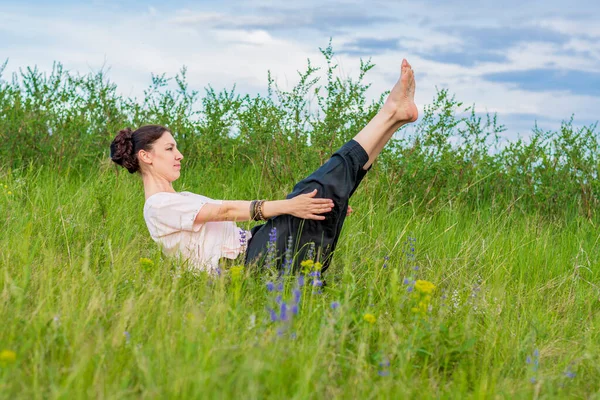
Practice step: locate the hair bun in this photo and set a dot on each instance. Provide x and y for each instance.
(122, 152)
(127, 133)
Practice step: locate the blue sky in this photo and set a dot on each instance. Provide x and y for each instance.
(526, 61)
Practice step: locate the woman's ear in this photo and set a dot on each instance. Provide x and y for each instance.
(145, 157)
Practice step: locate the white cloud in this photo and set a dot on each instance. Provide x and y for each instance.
(583, 27)
(162, 41)
(205, 20)
(543, 55)
(217, 57)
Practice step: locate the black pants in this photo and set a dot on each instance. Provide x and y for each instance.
(337, 180)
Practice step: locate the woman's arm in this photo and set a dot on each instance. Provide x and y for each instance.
(304, 206)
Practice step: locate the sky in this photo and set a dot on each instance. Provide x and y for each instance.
(530, 62)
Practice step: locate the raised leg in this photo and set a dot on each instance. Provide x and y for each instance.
(338, 178)
(399, 109)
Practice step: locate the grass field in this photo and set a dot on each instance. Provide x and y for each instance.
(514, 312)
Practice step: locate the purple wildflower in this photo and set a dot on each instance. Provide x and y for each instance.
(271, 249)
(273, 314)
(534, 362)
(384, 367)
(287, 265)
(311, 251)
(410, 253)
(297, 295)
(281, 310)
(335, 305)
(243, 241)
(570, 374)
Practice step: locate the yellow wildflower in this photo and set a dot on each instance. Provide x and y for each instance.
(8, 356)
(422, 307)
(9, 192)
(307, 265)
(237, 271)
(370, 318)
(146, 263)
(318, 266)
(425, 287)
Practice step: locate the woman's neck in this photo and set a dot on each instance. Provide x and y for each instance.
(153, 185)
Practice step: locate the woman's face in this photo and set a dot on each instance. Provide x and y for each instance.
(164, 159)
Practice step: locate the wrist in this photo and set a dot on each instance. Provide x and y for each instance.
(274, 208)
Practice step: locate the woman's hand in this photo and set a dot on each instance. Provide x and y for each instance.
(306, 206)
(350, 211)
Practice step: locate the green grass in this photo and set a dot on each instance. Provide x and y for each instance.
(508, 284)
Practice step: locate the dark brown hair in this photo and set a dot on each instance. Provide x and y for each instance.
(125, 146)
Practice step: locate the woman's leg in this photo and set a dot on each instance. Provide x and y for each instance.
(338, 178)
(399, 109)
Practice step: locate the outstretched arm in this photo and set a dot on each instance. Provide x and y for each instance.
(304, 206)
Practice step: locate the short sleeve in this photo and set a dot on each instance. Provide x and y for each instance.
(175, 213)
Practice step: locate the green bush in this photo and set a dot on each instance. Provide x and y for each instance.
(451, 156)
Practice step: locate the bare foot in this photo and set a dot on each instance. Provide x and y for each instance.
(401, 101)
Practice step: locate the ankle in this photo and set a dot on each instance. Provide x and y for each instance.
(388, 113)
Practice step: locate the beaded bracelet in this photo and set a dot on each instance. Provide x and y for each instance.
(256, 210)
(260, 210)
(253, 210)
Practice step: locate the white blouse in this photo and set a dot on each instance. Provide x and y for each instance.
(170, 218)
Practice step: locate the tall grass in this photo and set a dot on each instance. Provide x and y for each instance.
(509, 238)
(86, 318)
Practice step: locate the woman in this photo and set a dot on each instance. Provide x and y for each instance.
(203, 230)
